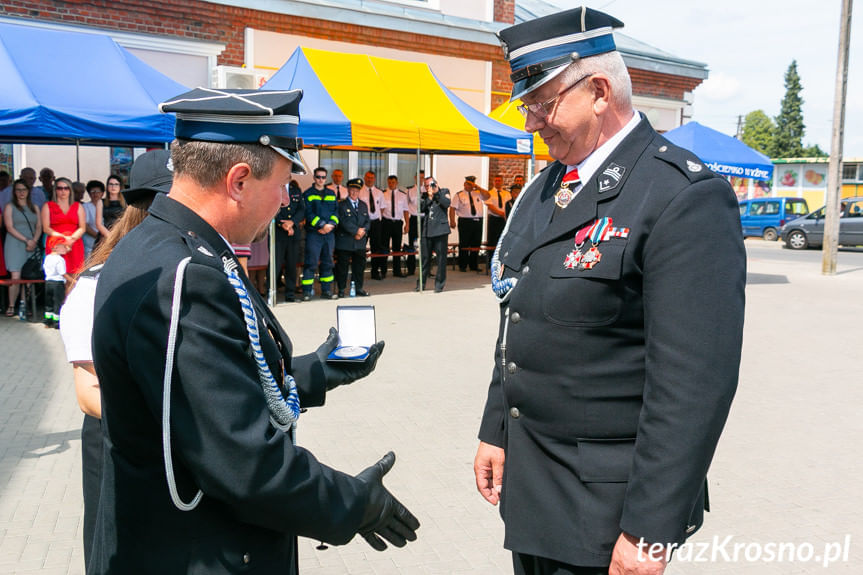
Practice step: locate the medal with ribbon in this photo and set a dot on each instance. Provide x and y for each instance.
(564, 194)
(596, 232)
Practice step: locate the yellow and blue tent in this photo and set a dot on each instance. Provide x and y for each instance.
(507, 113)
(356, 101)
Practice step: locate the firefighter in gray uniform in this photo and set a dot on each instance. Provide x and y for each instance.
(620, 276)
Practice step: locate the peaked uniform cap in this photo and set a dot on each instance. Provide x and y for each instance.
(538, 50)
(230, 116)
(355, 183)
(152, 173)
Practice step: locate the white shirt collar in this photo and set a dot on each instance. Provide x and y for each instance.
(597, 159)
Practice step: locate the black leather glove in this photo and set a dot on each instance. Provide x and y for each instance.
(384, 515)
(344, 372)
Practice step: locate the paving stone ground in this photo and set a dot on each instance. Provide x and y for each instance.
(787, 469)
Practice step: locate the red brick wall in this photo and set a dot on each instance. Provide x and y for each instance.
(198, 20)
(504, 11)
(645, 83)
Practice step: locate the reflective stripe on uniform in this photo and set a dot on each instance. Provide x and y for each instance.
(312, 198)
(329, 198)
(334, 218)
(327, 279)
(308, 282)
(315, 220)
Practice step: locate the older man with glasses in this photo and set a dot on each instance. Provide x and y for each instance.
(620, 276)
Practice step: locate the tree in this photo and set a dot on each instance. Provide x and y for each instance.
(788, 141)
(814, 151)
(758, 131)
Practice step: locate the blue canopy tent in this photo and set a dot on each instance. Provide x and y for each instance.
(77, 88)
(723, 154)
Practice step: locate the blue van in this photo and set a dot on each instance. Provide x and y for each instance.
(764, 216)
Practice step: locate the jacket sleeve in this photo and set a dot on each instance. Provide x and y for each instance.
(220, 429)
(694, 266)
(313, 209)
(443, 198)
(492, 428)
(299, 211)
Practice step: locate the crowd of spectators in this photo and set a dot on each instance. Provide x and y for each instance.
(35, 218)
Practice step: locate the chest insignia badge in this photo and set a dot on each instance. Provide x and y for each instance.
(563, 197)
(610, 177)
(693, 166)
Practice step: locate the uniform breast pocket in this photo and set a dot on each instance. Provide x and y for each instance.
(584, 297)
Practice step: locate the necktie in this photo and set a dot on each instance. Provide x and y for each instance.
(339, 192)
(393, 208)
(371, 201)
(472, 207)
(571, 178)
(499, 200)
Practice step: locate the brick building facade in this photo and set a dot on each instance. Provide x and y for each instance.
(226, 23)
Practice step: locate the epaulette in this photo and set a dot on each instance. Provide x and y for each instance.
(92, 272)
(685, 161)
(200, 250)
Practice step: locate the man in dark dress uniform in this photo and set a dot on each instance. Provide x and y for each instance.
(289, 223)
(352, 235)
(620, 276)
(434, 204)
(200, 389)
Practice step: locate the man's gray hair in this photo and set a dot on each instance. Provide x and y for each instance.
(209, 162)
(608, 63)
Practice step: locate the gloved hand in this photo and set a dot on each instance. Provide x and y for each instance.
(341, 373)
(384, 515)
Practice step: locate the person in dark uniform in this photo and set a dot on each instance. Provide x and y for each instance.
(289, 222)
(352, 235)
(321, 221)
(201, 392)
(434, 204)
(620, 276)
(514, 191)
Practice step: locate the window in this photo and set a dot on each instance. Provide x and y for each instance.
(742, 209)
(334, 160)
(771, 208)
(855, 210)
(375, 162)
(406, 169)
(849, 171)
(796, 208)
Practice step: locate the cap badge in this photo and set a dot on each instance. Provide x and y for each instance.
(264, 140)
(693, 167)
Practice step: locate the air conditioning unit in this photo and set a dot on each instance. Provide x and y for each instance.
(235, 77)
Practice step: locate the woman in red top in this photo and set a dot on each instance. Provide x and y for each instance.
(66, 219)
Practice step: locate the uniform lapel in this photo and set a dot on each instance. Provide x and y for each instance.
(605, 185)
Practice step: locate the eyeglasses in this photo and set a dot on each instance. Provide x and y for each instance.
(113, 183)
(320, 177)
(543, 109)
(61, 188)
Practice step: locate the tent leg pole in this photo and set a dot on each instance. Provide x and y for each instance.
(77, 159)
(419, 226)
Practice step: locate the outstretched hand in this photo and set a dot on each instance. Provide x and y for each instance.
(385, 517)
(343, 373)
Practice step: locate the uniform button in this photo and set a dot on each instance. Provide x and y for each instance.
(511, 367)
(525, 270)
(516, 317)
(247, 558)
(513, 411)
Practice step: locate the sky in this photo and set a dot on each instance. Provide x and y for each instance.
(748, 46)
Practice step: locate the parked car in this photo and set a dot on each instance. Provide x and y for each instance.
(764, 216)
(808, 231)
